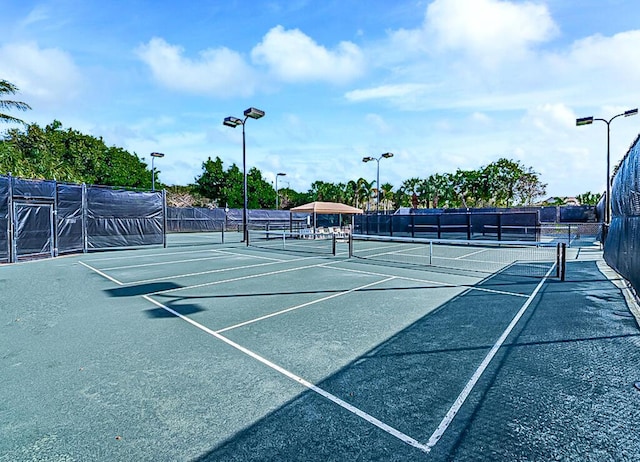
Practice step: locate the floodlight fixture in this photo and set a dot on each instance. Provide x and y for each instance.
(588, 121)
(277, 196)
(153, 168)
(254, 113)
(386, 155)
(232, 122)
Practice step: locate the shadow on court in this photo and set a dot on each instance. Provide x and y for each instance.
(560, 388)
(141, 289)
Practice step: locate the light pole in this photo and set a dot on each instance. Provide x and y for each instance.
(153, 169)
(277, 175)
(386, 155)
(233, 122)
(588, 121)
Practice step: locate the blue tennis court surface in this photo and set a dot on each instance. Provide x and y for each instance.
(208, 351)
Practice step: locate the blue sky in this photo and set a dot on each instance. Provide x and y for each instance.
(442, 84)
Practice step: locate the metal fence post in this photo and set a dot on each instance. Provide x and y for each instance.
(84, 206)
(11, 224)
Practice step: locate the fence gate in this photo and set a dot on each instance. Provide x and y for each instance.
(33, 230)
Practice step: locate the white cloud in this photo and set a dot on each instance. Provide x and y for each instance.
(392, 91)
(380, 125)
(489, 28)
(551, 118)
(489, 31)
(45, 76)
(293, 56)
(38, 14)
(218, 72)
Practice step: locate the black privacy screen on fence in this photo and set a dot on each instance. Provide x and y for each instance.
(622, 245)
(436, 224)
(4, 219)
(198, 219)
(40, 218)
(118, 218)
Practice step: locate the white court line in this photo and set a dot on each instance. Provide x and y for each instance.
(257, 257)
(219, 270)
(239, 278)
(427, 281)
(297, 307)
(172, 262)
(310, 386)
(469, 254)
(144, 255)
(104, 275)
(464, 394)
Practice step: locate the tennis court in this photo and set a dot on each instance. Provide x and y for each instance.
(305, 350)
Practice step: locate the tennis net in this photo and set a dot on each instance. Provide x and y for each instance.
(490, 257)
(304, 241)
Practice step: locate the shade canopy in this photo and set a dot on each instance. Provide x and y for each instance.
(327, 208)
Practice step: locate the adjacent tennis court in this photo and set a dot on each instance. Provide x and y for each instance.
(304, 348)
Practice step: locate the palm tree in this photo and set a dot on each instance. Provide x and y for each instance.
(7, 88)
(364, 191)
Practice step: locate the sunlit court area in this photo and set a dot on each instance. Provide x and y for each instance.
(295, 349)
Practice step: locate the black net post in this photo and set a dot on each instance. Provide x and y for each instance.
(164, 218)
(563, 270)
(350, 241)
(333, 244)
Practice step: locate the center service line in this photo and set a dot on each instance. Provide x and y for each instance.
(354, 410)
(297, 307)
(464, 394)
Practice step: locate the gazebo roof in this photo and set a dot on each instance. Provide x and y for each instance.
(327, 208)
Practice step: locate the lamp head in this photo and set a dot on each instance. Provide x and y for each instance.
(254, 113)
(367, 159)
(281, 174)
(584, 121)
(232, 122)
(386, 155)
(631, 112)
(157, 154)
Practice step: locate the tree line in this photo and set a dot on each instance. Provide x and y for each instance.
(67, 155)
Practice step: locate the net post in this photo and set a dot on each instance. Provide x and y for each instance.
(430, 252)
(333, 244)
(350, 241)
(558, 263)
(563, 271)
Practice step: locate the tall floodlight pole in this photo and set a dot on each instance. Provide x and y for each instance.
(386, 155)
(277, 175)
(233, 122)
(153, 169)
(588, 121)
